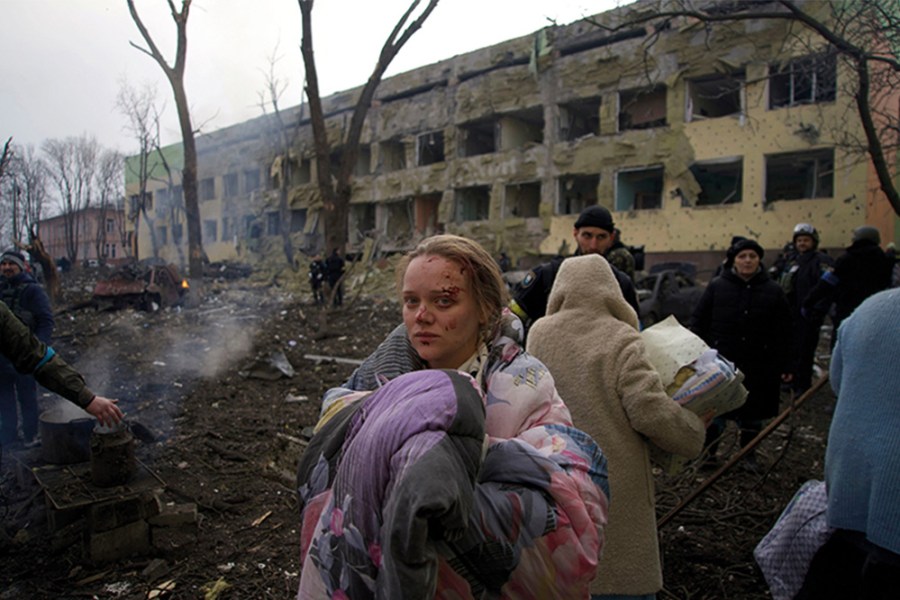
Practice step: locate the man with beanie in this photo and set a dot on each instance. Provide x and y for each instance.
(861, 271)
(593, 235)
(28, 301)
(802, 271)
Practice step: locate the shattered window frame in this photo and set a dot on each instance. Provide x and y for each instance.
(809, 79)
(640, 188)
(252, 181)
(522, 199)
(633, 101)
(721, 181)
(579, 118)
(392, 155)
(576, 192)
(478, 137)
(715, 96)
(473, 203)
(805, 175)
(430, 148)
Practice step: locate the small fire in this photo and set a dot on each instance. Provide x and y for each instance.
(184, 284)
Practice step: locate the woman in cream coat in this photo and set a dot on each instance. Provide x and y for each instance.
(590, 342)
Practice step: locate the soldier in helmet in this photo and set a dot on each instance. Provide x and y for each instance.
(802, 271)
(860, 272)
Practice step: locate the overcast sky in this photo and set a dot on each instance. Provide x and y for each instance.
(63, 61)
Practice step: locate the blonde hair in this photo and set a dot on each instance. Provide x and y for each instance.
(487, 285)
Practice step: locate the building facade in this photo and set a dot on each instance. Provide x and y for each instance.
(97, 235)
(689, 134)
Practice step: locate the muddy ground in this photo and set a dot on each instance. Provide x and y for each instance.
(209, 384)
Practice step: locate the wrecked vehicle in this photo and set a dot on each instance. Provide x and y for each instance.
(143, 285)
(669, 289)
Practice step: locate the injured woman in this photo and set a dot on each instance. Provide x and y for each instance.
(448, 465)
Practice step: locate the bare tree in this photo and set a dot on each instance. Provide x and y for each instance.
(143, 123)
(864, 33)
(335, 188)
(72, 164)
(109, 191)
(175, 74)
(27, 191)
(283, 136)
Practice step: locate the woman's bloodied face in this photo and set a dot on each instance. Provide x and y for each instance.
(440, 313)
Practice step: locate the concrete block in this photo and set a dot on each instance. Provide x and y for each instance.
(120, 542)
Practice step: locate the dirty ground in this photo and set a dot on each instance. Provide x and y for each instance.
(210, 386)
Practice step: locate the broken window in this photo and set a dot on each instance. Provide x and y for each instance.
(251, 180)
(642, 108)
(715, 96)
(254, 231)
(426, 210)
(398, 219)
(273, 223)
(800, 175)
(362, 218)
(300, 172)
(363, 161)
(579, 118)
(577, 192)
(230, 183)
(803, 81)
(639, 189)
(523, 200)
(473, 203)
(207, 188)
(393, 156)
(477, 137)
(298, 220)
(520, 128)
(720, 182)
(430, 148)
(210, 230)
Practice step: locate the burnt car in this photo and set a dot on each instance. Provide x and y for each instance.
(144, 285)
(668, 289)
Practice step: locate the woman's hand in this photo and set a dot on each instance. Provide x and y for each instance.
(105, 410)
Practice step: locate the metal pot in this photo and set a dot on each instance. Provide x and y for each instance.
(65, 436)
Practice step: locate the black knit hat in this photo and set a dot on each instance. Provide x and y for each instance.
(14, 257)
(747, 245)
(595, 216)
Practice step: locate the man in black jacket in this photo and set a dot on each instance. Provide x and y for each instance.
(862, 271)
(593, 234)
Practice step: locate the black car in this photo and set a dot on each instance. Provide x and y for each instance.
(669, 289)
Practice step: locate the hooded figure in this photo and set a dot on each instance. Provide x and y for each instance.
(590, 342)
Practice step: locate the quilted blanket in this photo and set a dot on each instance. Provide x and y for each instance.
(405, 492)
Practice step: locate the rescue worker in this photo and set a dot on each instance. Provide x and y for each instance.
(861, 271)
(801, 272)
(316, 279)
(30, 355)
(27, 300)
(619, 256)
(593, 234)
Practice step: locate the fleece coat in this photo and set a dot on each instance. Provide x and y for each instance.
(590, 342)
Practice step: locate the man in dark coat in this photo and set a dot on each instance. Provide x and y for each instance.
(864, 269)
(316, 279)
(28, 301)
(802, 271)
(334, 270)
(744, 315)
(593, 234)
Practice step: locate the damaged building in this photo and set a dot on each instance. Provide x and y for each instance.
(690, 134)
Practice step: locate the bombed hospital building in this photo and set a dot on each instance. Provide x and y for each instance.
(690, 133)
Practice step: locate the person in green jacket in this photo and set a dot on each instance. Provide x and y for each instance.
(31, 356)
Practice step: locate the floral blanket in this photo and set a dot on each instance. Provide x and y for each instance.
(406, 492)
